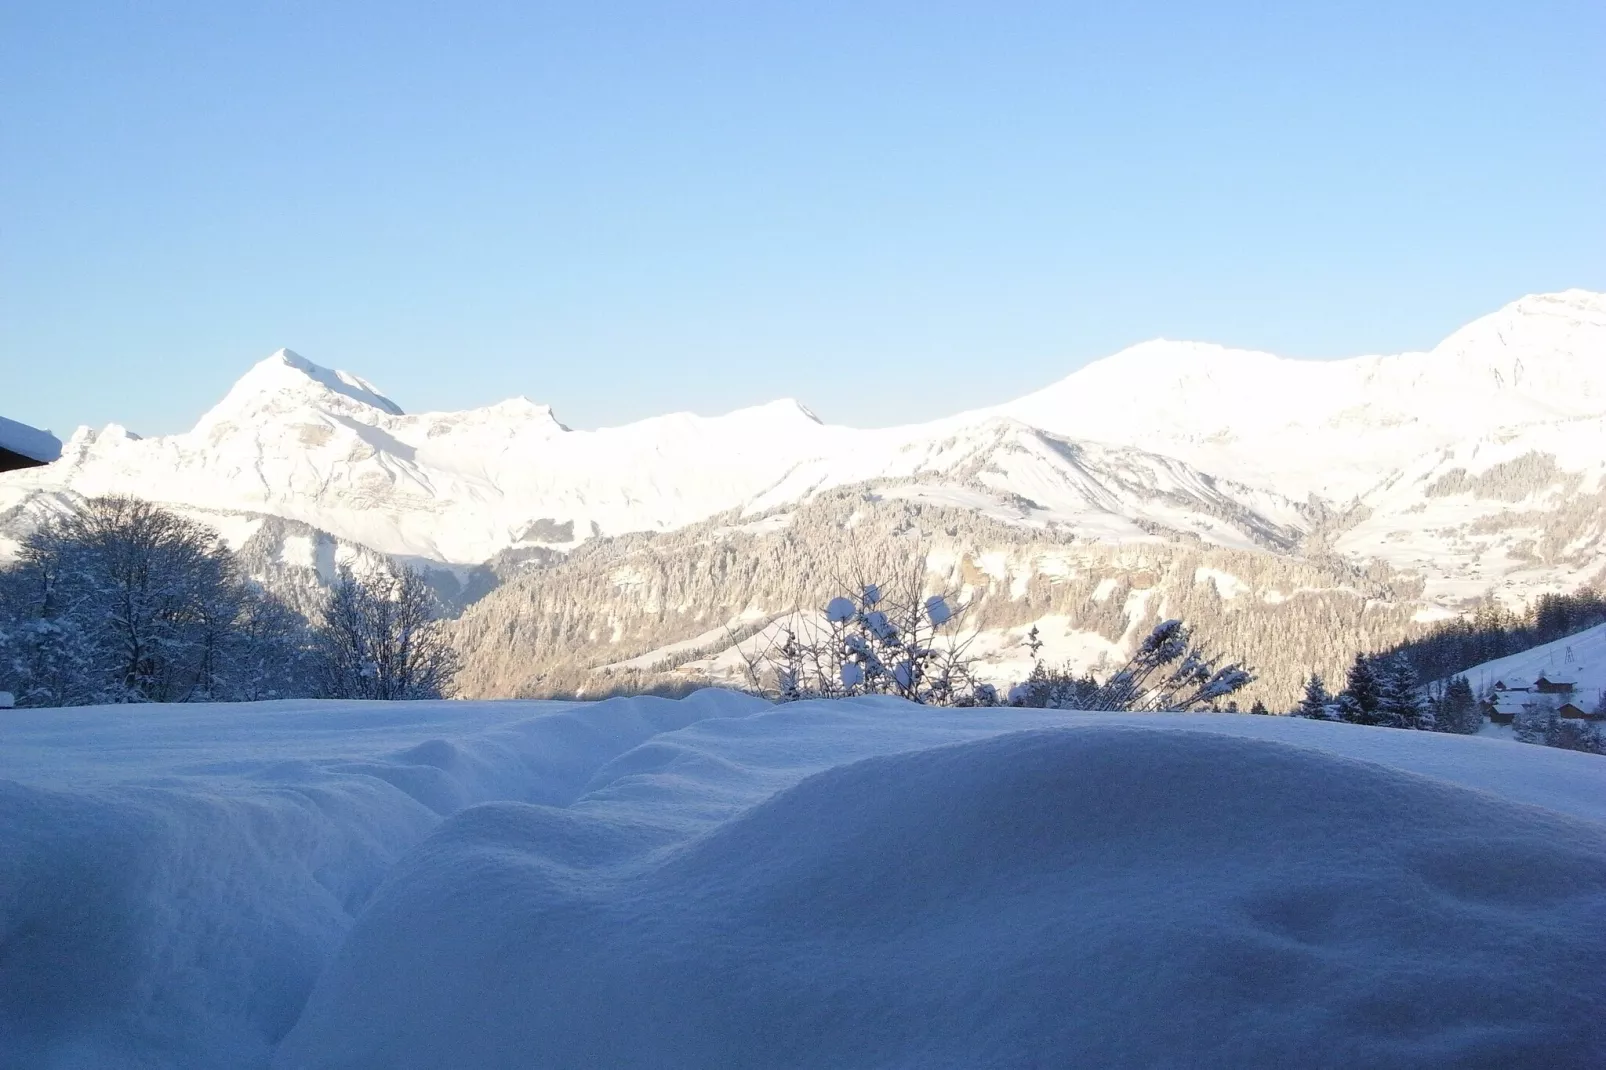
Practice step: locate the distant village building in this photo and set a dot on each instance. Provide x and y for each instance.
(1555, 683)
(1504, 707)
(1584, 704)
(1513, 683)
(1552, 692)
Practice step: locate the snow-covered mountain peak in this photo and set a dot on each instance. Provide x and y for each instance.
(520, 404)
(783, 412)
(1180, 354)
(1331, 427)
(517, 411)
(1168, 434)
(286, 381)
(1543, 350)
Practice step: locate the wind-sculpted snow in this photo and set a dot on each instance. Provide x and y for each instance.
(1105, 893)
(717, 882)
(172, 878)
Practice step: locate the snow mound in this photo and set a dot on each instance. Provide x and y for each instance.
(719, 882)
(173, 878)
(1106, 892)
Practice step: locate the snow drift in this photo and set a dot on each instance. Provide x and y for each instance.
(172, 878)
(716, 882)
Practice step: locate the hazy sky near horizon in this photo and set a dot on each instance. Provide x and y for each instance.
(891, 211)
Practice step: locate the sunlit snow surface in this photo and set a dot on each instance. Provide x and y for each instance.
(716, 882)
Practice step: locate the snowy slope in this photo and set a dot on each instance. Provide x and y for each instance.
(1512, 511)
(719, 883)
(1336, 428)
(172, 879)
(1581, 656)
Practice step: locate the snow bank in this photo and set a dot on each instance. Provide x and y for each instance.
(716, 882)
(1112, 891)
(172, 879)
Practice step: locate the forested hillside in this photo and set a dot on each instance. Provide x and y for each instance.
(568, 628)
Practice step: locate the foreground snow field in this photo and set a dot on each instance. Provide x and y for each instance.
(718, 882)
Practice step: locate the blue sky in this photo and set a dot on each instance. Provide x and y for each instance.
(890, 211)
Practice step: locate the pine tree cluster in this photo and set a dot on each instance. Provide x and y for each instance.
(1492, 632)
(1384, 690)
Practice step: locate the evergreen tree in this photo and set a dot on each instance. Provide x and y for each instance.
(1359, 700)
(1533, 724)
(1317, 703)
(1399, 696)
(1458, 708)
(1169, 672)
(1574, 735)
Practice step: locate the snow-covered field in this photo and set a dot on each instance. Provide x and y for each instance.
(718, 882)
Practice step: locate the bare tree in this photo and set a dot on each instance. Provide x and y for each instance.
(124, 601)
(380, 637)
(151, 590)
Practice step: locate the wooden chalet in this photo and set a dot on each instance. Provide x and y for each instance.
(1555, 683)
(1504, 708)
(1584, 704)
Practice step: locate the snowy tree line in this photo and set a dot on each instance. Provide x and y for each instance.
(1384, 689)
(1508, 481)
(1546, 727)
(1492, 632)
(120, 600)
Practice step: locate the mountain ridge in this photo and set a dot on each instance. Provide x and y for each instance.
(1217, 409)
(1475, 468)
